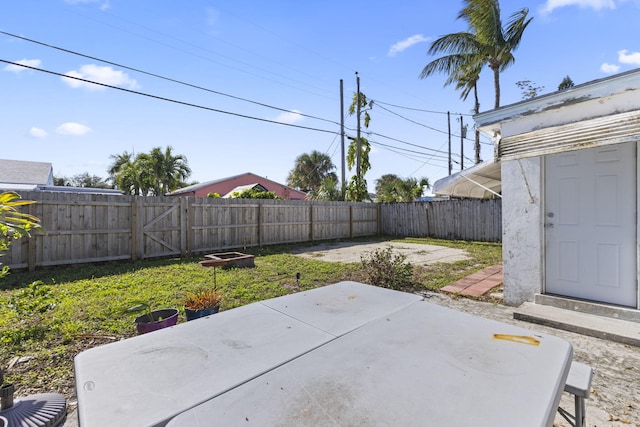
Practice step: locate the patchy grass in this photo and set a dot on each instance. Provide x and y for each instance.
(48, 316)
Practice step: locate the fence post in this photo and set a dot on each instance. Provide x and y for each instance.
(260, 224)
(311, 222)
(134, 236)
(31, 243)
(350, 221)
(184, 225)
(137, 228)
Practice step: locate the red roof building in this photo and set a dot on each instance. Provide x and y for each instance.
(225, 186)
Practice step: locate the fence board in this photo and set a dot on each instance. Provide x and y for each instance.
(83, 228)
(467, 219)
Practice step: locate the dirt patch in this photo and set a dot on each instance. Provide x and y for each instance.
(348, 252)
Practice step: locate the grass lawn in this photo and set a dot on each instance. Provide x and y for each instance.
(49, 316)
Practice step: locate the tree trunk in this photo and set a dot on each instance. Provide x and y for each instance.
(476, 109)
(496, 83)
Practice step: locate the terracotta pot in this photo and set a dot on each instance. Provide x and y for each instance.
(168, 316)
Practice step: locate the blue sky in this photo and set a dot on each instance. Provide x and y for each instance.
(261, 64)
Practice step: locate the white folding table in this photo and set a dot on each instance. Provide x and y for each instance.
(345, 354)
(148, 379)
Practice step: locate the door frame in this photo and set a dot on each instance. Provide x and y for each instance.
(543, 202)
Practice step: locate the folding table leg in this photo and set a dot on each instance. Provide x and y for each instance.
(580, 409)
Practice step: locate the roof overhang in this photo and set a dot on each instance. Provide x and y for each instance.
(479, 181)
(599, 98)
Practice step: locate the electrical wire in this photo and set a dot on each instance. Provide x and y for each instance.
(137, 70)
(406, 143)
(421, 110)
(161, 98)
(389, 147)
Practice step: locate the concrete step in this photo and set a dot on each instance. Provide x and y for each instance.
(606, 328)
(589, 307)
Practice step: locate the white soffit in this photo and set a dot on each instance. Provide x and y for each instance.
(479, 181)
(612, 129)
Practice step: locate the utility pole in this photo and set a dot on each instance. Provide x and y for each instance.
(343, 187)
(462, 136)
(477, 144)
(449, 126)
(358, 127)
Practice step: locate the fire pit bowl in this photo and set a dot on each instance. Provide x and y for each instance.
(228, 260)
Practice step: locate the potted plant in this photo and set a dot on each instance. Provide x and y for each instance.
(152, 320)
(201, 303)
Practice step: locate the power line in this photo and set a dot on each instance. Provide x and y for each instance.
(407, 143)
(161, 98)
(222, 93)
(137, 70)
(413, 121)
(262, 70)
(407, 150)
(421, 110)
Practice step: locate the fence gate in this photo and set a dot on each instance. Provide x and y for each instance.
(158, 229)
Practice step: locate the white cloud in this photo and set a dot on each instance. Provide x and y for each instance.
(35, 132)
(609, 68)
(406, 44)
(104, 4)
(551, 5)
(96, 73)
(212, 16)
(73, 128)
(290, 117)
(17, 68)
(628, 58)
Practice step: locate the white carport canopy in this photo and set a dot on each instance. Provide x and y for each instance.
(479, 181)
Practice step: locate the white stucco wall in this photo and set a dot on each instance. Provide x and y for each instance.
(521, 229)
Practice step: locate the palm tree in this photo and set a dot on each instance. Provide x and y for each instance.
(329, 190)
(169, 170)
(310, 171)
(155, 173)
(392, 188)
(496, 43)
(486, 43)
(119, 160)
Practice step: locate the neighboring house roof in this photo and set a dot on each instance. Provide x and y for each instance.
(479, 181)
(20, 175)
(25, 172)
(225, 185)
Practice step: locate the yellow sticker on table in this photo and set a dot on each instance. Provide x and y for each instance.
(522, 339)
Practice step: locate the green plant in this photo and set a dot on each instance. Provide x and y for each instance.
(13, 223)
(202, 299)
(143, 306)
(388, 270)
(36, 298)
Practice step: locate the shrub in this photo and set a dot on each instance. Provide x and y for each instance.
(201, 300)
(388, 270)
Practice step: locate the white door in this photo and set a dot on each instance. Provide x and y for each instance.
(590, 224)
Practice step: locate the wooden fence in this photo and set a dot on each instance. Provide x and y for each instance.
(469, 219)
(83, 228)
